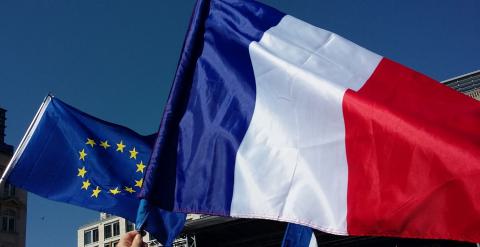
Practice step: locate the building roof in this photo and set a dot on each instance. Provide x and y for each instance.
(465, 83)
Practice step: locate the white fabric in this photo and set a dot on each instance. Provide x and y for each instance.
(291, 165)
(313, 241)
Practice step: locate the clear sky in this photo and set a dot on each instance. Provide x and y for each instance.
(115, 59)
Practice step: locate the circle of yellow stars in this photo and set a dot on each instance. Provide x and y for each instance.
(120, 147)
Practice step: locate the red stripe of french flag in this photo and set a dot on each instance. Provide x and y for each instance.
(413, 152)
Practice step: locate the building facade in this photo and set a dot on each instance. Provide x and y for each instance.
(106, 232)
(13, 201)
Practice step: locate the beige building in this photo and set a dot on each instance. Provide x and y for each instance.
(13, 201)
(106, 232)
(103, 233)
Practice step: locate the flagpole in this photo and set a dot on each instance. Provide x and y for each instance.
(26, 138)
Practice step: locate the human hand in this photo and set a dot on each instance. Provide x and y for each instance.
(131, 239)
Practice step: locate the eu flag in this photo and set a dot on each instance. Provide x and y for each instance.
(72, 157)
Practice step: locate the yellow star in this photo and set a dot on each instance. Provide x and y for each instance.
(95, 192)
(120, 146)
(104, 144)
(114, 191)
(140, 167)
(82, 154)
(85, 185)
(81, 172)
(133, 153)
(129, 189)
(139, 183)
(90, 142)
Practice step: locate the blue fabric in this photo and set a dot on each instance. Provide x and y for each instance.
(297, 236)
(159, 222)
(209, 108)
(53, 166)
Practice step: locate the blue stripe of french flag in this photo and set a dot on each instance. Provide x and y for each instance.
(270, 117)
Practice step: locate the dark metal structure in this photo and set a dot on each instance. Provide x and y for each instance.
(214, 231)
(468, 84)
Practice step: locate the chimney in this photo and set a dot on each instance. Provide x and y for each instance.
(2, 126)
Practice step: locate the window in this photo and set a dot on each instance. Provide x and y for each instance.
(8, 221)
(129, 226)
(112, 229)
(8, 190)
(116, 229)
(111, 244)
(90, 236)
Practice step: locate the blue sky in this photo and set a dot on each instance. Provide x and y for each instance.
(116, 60)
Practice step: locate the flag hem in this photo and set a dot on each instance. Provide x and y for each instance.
(254, 216)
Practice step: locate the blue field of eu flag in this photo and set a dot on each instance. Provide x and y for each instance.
(72, 157)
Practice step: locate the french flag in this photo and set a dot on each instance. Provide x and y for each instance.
(270, 117)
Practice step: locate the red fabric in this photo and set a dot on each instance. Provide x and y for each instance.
(413, 151)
